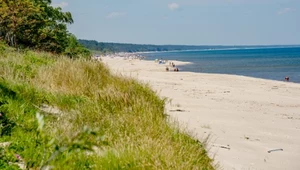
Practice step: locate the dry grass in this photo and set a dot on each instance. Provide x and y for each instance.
(127, 116)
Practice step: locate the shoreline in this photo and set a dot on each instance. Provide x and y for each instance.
(245, 117)
(140, 56)
(184, 63)
(264, 63)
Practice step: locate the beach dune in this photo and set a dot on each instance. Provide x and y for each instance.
(251, 123)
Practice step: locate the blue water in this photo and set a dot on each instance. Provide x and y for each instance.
(268, 63)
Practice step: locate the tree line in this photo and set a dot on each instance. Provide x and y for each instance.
(123, 47)
(36, 24)
(105, 47)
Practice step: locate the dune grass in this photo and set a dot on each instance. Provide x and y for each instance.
(103, 121)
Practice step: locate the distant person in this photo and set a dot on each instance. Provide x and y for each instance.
(176, 69)
(287, 79)
(167, 68)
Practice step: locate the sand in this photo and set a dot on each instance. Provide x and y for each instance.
(244, 117)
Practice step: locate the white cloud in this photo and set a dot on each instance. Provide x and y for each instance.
(62, 4)
(284, 10)
(173, 6)
(115, 15)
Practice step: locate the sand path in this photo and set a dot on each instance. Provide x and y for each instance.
(245, 117)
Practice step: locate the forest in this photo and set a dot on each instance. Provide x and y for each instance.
(126, 47)
(109, 47)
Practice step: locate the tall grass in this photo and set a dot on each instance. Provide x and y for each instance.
(127, 127)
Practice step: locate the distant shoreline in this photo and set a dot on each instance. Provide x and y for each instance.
(141, 48)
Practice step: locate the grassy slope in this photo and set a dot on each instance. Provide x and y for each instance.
(122, 121)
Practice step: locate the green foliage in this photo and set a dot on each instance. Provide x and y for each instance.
(31, 139)
(76, 50)
(36, 24)
(6, 158)
(2, 47)
(78, 143)
(6, 125)
(13, 15)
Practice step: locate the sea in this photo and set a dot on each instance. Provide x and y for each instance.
(274, 63)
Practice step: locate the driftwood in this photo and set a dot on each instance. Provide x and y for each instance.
(274, 150)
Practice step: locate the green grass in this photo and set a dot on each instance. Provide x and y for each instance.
(107, 122)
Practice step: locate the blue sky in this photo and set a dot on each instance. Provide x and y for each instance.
(192, 22)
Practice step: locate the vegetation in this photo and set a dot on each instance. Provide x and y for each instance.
(120, 47)
(104, 47)
(36, 24)
(76, 50)
(73, 114)
(69, 112)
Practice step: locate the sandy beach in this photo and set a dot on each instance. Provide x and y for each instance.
(245, 117)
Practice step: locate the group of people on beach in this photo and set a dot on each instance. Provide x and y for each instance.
(172, 65)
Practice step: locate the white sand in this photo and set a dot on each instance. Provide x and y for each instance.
(248, 115)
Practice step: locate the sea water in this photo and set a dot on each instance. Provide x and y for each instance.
(273, 63)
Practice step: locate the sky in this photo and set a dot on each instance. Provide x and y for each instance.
(186, 22)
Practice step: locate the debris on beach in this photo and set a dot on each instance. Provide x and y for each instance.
(177, 110)
(274, 150)
(222, 146)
